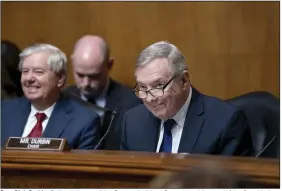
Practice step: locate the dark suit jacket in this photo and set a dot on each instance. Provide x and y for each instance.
(211, 127)
(8, 88)
(119, 98)
(68, 120)
(9, 62)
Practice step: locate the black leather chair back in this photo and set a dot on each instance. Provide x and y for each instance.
(262, 111)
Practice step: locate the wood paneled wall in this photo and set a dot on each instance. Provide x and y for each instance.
(231, 47)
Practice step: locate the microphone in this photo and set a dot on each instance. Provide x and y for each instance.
(266, 146)
(114, 113)
(95, 108)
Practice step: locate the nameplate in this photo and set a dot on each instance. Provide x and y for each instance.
(38, 144)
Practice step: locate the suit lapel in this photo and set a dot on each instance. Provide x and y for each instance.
(16, 127)
(151, 133)
(193, 123)
(59, 119)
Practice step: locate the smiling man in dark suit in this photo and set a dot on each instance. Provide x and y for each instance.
(92, 63)
(44, 111)
(175, 117)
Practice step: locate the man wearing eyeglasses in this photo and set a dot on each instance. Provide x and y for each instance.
(175, 117)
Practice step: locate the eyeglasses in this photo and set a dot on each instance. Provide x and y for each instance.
(155, 92)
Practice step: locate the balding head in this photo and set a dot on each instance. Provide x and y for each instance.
(91, 63)
(91, 48)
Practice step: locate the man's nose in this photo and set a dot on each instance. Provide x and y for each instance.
(30, 77)
(150, 98)
(85, 81)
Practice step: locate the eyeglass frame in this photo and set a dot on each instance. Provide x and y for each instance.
(161, 88)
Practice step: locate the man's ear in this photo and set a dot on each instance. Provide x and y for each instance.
(62, 80)
(185, 79)
(111, 63)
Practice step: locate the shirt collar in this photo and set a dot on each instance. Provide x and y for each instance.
(179, 117)
(47, 111)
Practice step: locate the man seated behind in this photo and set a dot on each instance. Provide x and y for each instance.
(92, 63)
(175, 117)
(44, 111)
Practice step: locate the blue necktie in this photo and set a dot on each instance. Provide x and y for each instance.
(166, 145)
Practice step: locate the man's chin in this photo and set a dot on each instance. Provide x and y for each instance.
(92, 93)
(160, 114)
(33, 97)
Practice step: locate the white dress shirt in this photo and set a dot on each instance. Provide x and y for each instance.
(31, 121)
(177, 129)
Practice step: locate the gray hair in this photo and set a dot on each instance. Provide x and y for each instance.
(163, 49)
(57, 59)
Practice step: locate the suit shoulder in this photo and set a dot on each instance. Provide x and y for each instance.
(118, 87)
(125, 93)
(71, 88)
(12, 102)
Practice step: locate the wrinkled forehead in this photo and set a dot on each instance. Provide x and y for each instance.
(157, 70)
